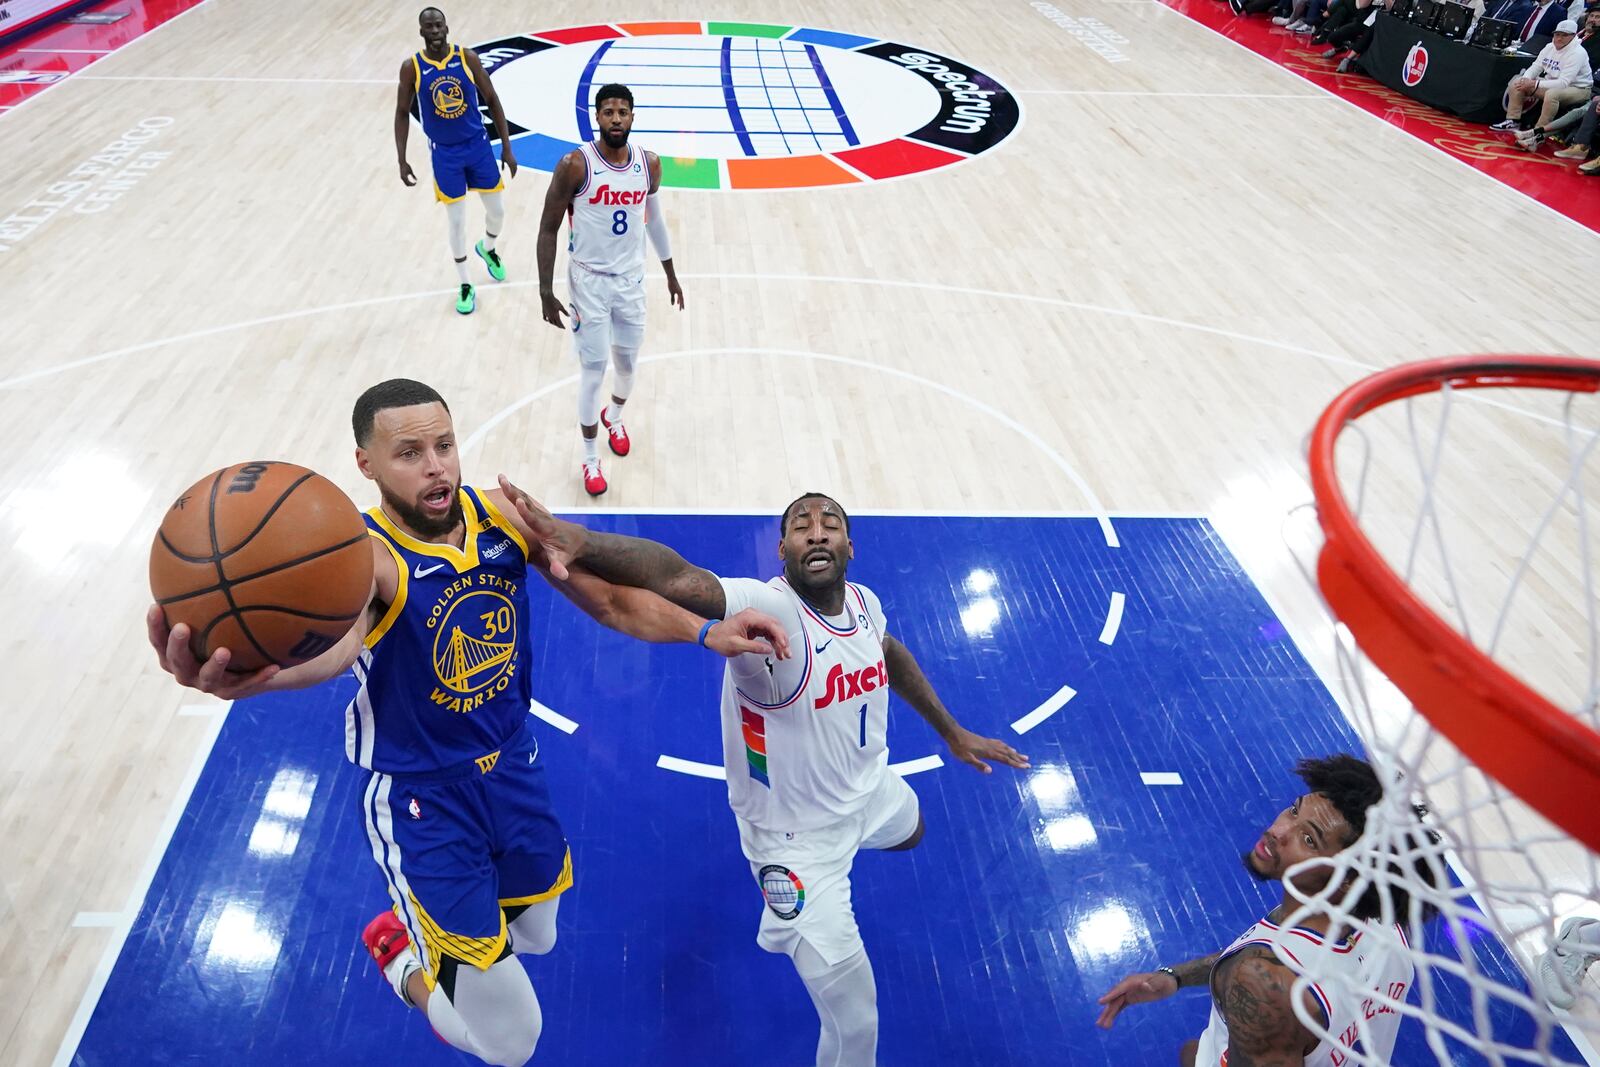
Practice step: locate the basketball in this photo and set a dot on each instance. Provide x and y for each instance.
(268, 560)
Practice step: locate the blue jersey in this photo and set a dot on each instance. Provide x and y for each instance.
(447, 98)
(444, 674)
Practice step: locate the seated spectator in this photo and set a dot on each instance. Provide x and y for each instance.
(1356, 35)
(1589, 36)
(1580, 145)
(1514, 11)
(1560, 77)
(1542, 20)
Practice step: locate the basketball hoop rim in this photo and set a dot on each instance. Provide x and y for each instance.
(1522, 739)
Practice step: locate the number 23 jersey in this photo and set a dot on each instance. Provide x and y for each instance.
(804, 740)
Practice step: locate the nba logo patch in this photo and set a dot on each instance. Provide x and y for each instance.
(414, 808)
(1415, 66)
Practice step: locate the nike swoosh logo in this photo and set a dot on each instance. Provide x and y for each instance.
(823, 647)
(420, 573)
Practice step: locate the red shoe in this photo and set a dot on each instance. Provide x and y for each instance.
(594, 482)
(385, 937)
(616, 436)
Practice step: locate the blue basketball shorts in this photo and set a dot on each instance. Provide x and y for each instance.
(462, 168)
(459, 847)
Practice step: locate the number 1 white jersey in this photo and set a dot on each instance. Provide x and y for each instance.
(804, 740)
(607, 215)
(1350, 972)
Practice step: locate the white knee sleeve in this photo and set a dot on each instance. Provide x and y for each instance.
(533, 932)
(622, 364)
(590, 378)
(494, 213)
(457, 214)
(494, 1014)
(846, 998)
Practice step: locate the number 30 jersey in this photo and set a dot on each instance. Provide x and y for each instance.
(607, 214)
(804, 740)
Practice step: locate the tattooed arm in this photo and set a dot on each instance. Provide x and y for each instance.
(1151, 986)
(1253, 994)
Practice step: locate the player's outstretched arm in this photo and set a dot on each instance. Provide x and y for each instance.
(1152, 986)
(178, 659)
(564, 185)
(402, 118)
(912, 686)
(642, 614)
(619, 559)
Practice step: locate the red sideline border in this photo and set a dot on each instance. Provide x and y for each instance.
(35, 60)
(1555, 183)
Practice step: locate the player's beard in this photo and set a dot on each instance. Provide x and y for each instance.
(418, 520)
(619, 140)
(817, 586)
(1251, 867)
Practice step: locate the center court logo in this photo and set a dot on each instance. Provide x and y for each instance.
(474, 643)
(739, 105)
(1415, 66)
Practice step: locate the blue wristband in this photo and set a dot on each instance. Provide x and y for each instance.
(701, 640)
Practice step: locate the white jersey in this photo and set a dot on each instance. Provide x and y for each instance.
(607, 215)
(1367, 964)
(804, 740)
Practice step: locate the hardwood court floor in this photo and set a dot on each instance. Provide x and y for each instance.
(1137, 303)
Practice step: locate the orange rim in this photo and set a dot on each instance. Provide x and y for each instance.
(1528, 744)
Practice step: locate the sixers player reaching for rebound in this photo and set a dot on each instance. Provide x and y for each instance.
(447, 81)
(1253, 1021)
(607, 192)
(456, 805)
(803, 741)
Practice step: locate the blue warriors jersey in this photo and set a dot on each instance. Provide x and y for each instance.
(444, 674)
(447, 98)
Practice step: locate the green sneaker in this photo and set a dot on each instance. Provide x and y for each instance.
(491, 259)
(467, 302)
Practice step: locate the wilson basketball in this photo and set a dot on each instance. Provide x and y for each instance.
(268, 560)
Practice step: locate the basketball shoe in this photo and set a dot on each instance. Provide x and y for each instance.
(389, 944)
(1560, 971)
(491, 259)
(467, 302)
(594, 482)
(616, 434)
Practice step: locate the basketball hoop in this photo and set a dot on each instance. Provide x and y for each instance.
(1506, 748)
(1537, 750)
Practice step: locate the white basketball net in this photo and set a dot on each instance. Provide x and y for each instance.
(1481, 501)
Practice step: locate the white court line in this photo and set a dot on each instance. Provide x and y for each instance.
(1161, 777)
(689, 766)
(79, 73)
(1107, 530)
(1411, 137)
(158, 850)
(1045, 710)
(554, 718)
(1113, 619)
(434, 294)
(917, 766)
(86, 919)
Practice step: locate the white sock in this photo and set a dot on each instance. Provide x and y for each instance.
(494, 217)
(591, 449)
(846, 998)
(461, 272)
(399, 969)
(614, 412)
(456, 215)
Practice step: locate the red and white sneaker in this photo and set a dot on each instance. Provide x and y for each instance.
(616, 435)
(594, 482)
(386, 940)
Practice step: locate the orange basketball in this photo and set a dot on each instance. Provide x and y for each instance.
(268, 560)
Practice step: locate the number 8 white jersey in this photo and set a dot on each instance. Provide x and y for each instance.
(607, 214)
(804, 740)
